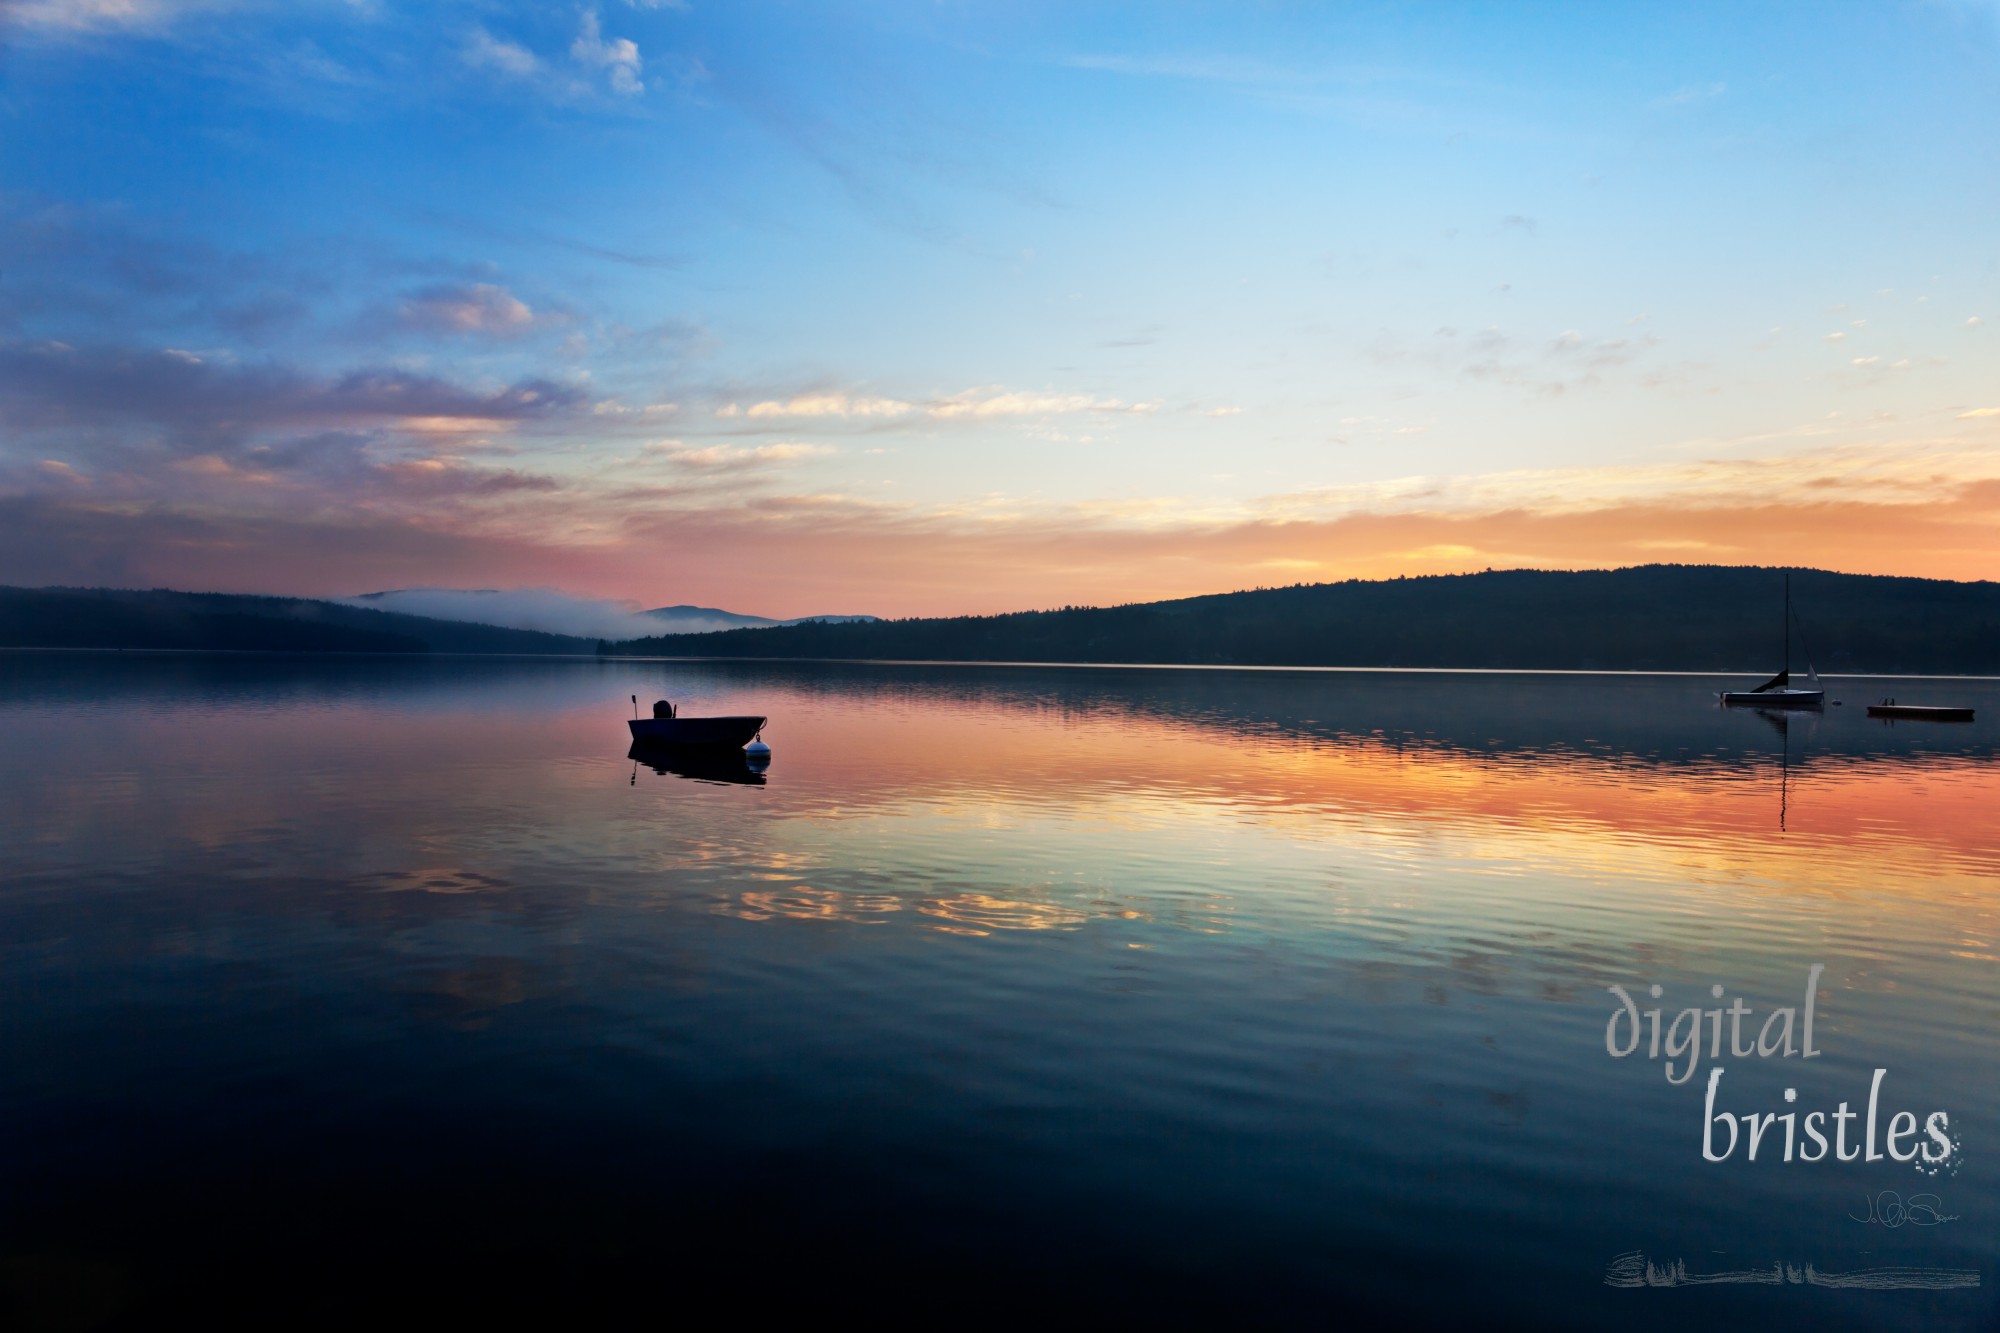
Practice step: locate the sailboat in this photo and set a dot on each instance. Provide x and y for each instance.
(1778, 691)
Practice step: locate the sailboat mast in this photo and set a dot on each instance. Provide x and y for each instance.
(1788, 622)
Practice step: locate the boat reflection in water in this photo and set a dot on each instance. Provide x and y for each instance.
(1781, 718)
(697, 765)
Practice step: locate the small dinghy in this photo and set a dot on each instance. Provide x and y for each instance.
(666, 727)
(1778, 691)
(1919, 712)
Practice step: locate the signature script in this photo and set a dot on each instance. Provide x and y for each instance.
(1891, 1210)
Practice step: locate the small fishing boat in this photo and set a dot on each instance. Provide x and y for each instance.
(1778, 691)
(667, 728)
(1919, 712)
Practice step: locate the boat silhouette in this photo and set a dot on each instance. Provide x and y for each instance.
(1889, 708)
(1778, 692)
(666, 727)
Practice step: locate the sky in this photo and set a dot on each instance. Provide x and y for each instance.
(914, 308)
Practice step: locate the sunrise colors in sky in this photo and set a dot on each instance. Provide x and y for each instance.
(937, 307)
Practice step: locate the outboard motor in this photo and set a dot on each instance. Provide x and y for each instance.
(663, 710)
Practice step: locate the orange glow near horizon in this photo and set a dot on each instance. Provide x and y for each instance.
(845, 563)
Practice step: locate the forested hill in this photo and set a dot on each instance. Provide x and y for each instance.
(160, 618)
(1655, 617)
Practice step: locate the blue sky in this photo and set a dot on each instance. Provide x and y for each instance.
(926, 307)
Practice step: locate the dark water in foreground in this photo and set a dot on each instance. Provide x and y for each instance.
(338, 988)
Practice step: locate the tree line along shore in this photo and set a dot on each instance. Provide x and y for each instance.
(1647, 618)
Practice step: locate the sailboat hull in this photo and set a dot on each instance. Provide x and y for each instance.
(1776, 698)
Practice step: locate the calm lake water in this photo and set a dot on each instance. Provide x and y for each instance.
(345, 986)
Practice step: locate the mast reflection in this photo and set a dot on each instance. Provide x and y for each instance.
(1781, 722)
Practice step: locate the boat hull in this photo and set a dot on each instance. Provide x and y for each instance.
(1920, 712)
(1776, 698)
(705, 733)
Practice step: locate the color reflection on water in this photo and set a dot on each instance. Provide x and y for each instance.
(1274, 992)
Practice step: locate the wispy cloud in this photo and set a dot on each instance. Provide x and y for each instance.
(617, 58)
(1903, 505)
(1547, 366)
(968, 404)
(727, 457)
(1409, 94)
(830, 405)
(485, 50)
(595, 62)
(80, 16)
(612, 407)
(482, 308)
(198, 403)
(987, 403)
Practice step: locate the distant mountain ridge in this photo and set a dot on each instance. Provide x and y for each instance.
(161, 618)
(1650, 617)
(1653, 617)
(736, 620)
(552, 611)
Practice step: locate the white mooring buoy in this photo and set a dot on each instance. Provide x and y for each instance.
(756, 752)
